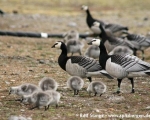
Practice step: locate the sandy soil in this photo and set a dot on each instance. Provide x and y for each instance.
(25, 59)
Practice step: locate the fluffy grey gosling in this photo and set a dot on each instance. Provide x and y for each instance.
(74, 46)
(47, 83)
(75, 83)
(96, 87)
(92, 51)
(24, 89)
(72, 34)
(42, 98)
(56, 97)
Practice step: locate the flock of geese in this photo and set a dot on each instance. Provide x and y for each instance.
(109, 55)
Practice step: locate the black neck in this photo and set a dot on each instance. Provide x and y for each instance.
(89, 18)
(104, 35)
(63, 57)
(103, 55)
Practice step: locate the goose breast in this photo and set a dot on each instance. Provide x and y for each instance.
(115, 70)
(74, 69)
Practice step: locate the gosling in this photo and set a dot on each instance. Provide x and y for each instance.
(42, 98)
(47, 83)
(24, 89)
(96, 87)
(75, 83)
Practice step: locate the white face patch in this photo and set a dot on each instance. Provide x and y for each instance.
(58, 45)
(84, 7)
(96, 42)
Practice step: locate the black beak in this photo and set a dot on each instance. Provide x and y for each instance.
(53, 46)
(90, 43)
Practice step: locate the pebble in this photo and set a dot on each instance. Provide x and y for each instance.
(22, 110)
(12, 80)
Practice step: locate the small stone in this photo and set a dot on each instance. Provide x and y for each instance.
(72, 24)
(148, 107)
(22, 110)
(97, 110)
(3, 96)
(12, 80)
(41, 61)
(7, 82)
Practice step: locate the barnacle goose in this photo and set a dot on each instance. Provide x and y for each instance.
(114, 28)
(111, 41)
(139, 40)
(121, 66)
(81, 66)
(48, 83)
(75, 83)
(96, 87)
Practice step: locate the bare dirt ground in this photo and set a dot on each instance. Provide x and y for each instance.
(25, 59)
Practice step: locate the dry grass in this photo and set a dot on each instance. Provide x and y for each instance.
(19, 57)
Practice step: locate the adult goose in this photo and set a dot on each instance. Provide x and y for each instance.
(121, 66)
(111, 41)
(81, 66)
(139, 40)
(115, 28)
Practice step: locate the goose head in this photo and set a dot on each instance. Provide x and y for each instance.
(57, 45)
(84, 7)
(96, 42)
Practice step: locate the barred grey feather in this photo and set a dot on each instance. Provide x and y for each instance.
(140, 39)
(130, 63)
